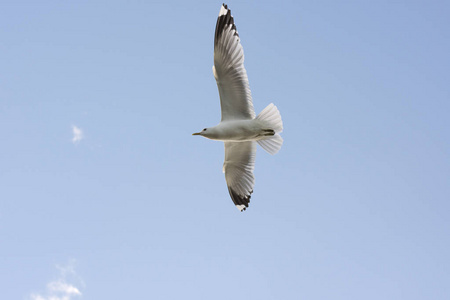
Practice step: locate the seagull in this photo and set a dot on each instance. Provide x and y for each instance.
(240, 129)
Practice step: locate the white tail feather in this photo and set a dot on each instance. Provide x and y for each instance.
(271, 116)
(272, 144)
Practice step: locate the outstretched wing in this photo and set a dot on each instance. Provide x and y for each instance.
(238, 168)
(231, 77)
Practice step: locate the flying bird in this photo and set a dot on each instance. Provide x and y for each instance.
(239, 127)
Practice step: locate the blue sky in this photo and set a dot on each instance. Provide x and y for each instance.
(354, 206)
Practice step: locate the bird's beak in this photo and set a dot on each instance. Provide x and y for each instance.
(197, 133)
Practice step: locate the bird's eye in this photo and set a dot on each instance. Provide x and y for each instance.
(204, 129)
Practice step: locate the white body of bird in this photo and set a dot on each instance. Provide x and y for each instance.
(239, 131)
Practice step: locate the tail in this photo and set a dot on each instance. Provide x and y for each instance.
(272, 118)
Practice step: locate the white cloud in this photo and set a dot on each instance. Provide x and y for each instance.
(63, 287)
(77, 134)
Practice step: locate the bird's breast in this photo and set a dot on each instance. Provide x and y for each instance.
(240, 130)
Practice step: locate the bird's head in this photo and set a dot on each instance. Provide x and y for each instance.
(203, 132)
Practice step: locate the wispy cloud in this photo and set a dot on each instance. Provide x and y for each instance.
(63, 287)
(77, 134)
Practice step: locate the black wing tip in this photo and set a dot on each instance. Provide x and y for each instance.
(223, 20)
(240, 200)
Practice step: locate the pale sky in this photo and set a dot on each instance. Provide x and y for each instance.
(104, 193)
